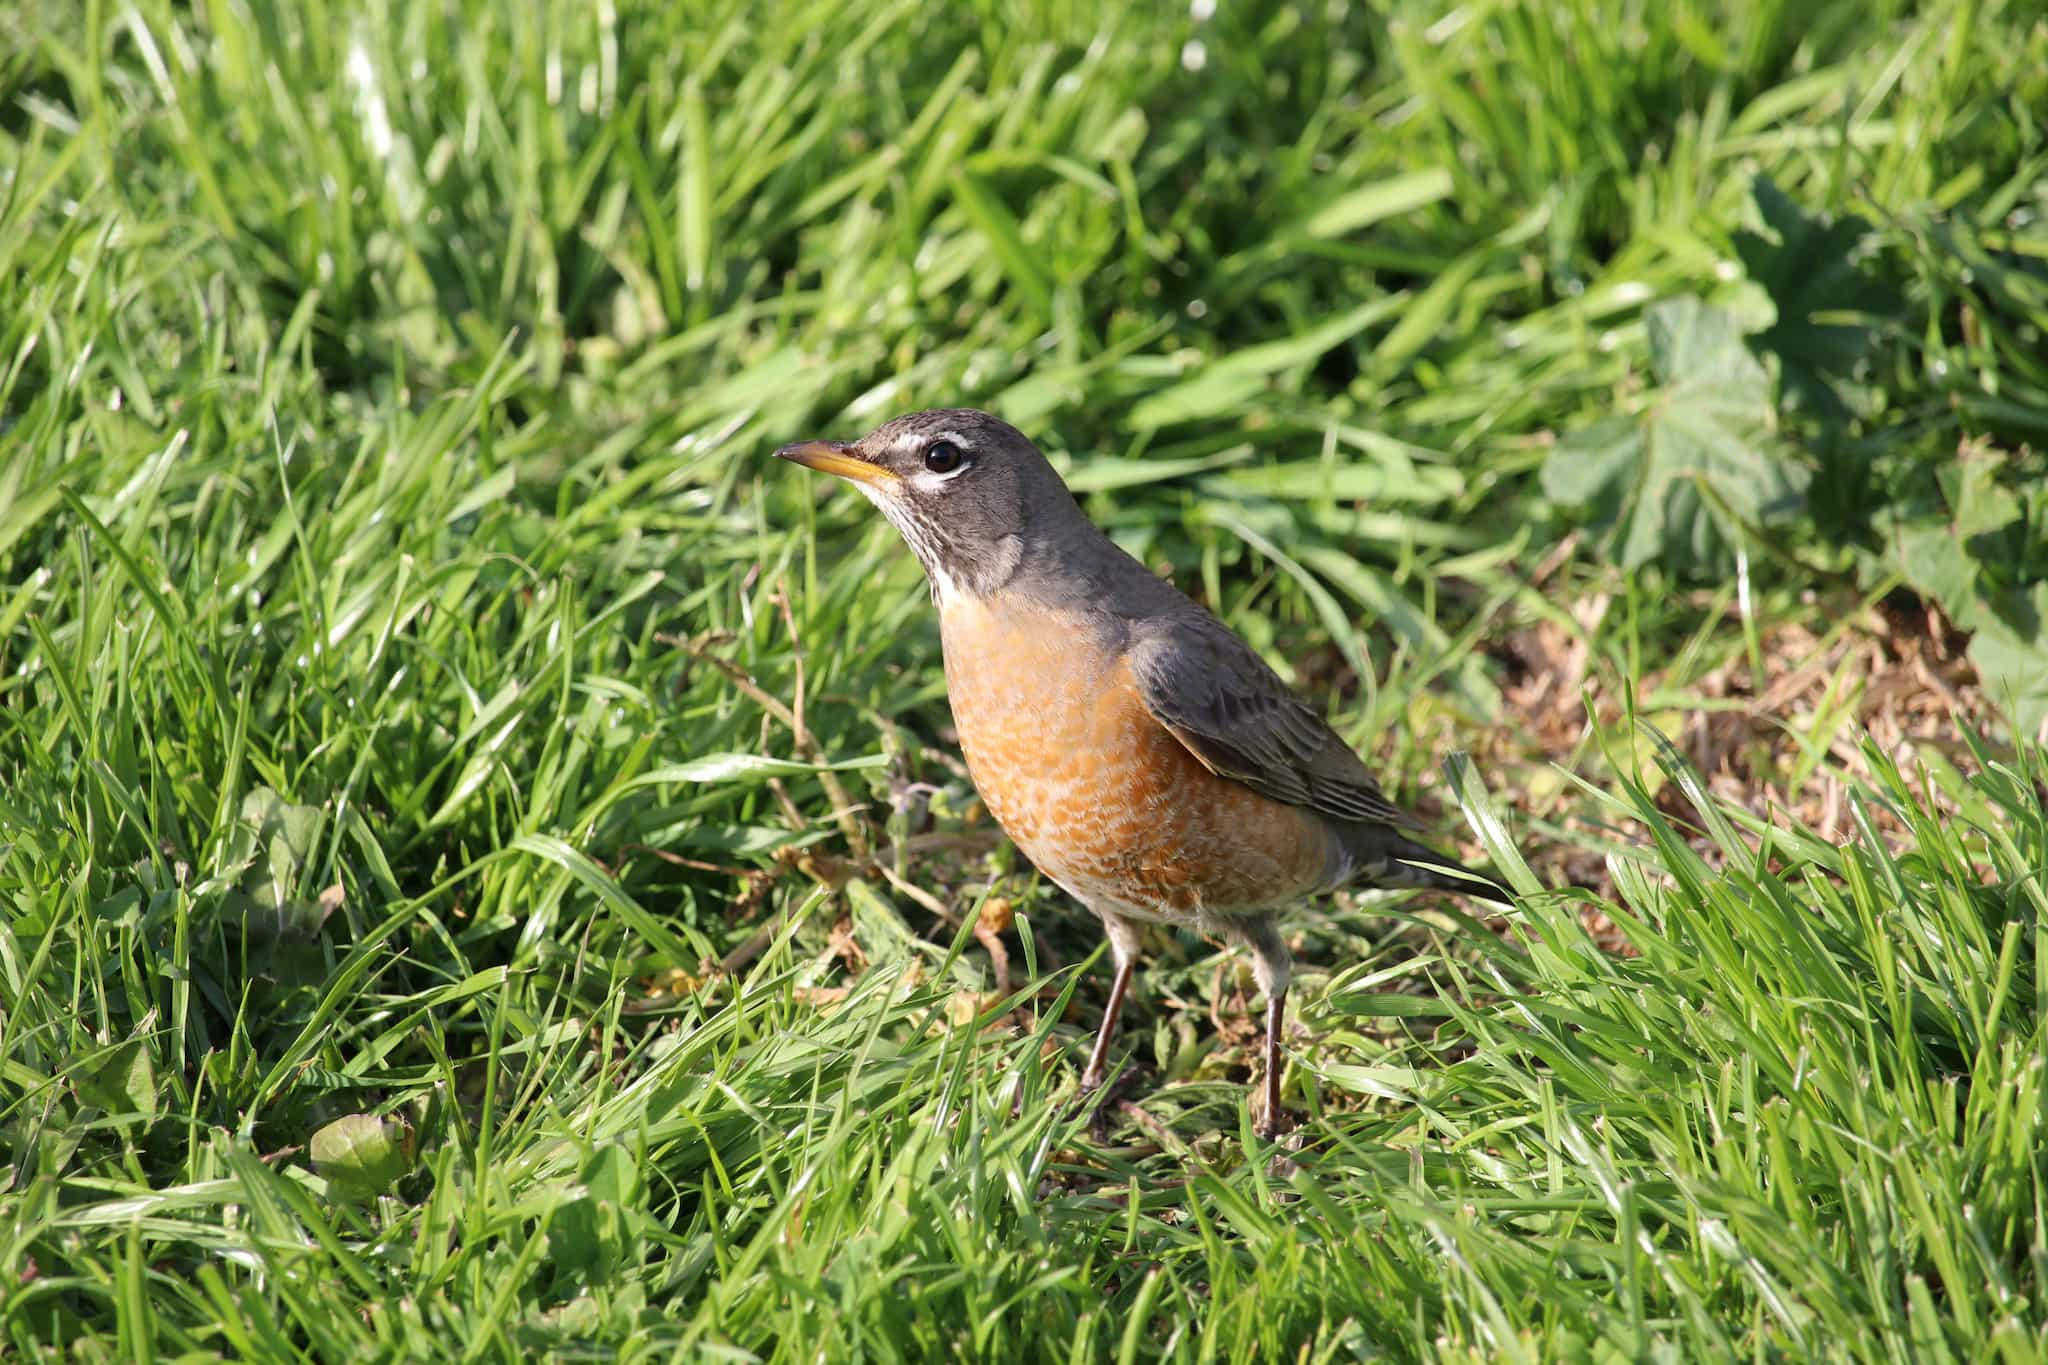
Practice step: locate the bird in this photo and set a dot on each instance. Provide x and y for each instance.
(1141, 755)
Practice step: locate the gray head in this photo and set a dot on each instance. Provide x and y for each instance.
(970, 492)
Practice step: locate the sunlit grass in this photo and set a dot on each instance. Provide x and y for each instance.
(416, 681)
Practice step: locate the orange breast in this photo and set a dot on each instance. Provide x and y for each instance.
(1096, 792)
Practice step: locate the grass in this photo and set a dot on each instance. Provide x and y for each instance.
(416, 680)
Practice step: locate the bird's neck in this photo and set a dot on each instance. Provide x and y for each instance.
(957, 575)
(1085, 569)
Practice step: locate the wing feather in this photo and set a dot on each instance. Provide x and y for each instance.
(1221, 701)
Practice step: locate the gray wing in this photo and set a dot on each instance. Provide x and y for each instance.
(1220, 700)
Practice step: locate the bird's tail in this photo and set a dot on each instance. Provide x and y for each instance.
(1385, 859)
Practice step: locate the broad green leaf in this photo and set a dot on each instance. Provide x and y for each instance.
(1931, 555)
(2012, 662)
(361, 1156)
(1978, 502)
(1967, 551)
(265, 854)
(1683, 480)
(123, 1082)
(1814, 271)
(1591, 466)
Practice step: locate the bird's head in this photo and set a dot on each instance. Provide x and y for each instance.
(971, 494)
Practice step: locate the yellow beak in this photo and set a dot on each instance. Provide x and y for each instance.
(830, 457)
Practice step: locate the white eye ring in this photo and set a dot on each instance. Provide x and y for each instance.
(944, 458)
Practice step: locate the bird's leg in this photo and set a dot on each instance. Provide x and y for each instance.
(1098, 1060)
(1271, 1122)
(1123, 943)
(1272, 964)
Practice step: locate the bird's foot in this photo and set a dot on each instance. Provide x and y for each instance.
(1274, 1125)
(1284, 1131)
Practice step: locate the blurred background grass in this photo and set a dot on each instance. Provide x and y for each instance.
(414, 677)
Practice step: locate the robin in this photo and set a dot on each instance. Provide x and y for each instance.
(1141, 755)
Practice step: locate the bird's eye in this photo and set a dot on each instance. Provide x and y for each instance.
(943, 457)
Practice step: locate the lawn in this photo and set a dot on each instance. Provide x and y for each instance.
(487, 872)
